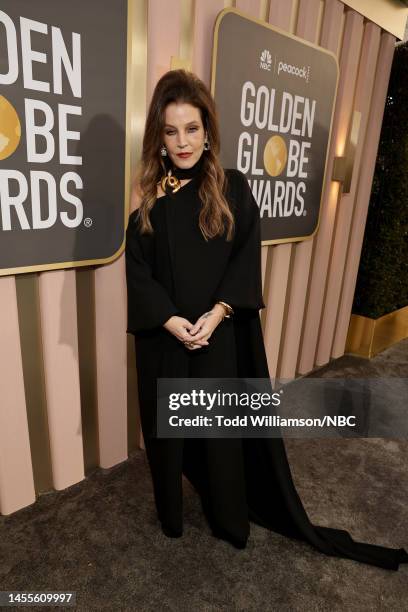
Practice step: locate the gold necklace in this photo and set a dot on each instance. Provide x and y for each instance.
(170, 181)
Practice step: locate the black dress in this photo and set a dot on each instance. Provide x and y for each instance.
(175, 271)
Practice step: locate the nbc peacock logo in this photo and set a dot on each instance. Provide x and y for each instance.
(265, 60)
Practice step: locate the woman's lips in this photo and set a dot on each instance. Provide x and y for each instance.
(183, 155)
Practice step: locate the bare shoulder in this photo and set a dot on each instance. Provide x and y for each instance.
(160, 192)
(136, 195)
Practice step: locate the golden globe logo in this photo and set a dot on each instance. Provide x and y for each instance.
(46, 127)
(10, 128)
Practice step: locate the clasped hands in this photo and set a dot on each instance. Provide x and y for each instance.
(196, 335)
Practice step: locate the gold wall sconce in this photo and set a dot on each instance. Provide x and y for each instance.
(343, 165)
(178, 62)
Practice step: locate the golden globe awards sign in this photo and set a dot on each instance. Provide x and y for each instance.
(275, 96)
(63, 68)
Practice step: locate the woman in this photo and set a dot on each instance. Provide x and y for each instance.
(194, 294)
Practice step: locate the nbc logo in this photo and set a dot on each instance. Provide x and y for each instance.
(265, 61)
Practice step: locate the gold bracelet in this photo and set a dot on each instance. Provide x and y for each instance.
(228, 311)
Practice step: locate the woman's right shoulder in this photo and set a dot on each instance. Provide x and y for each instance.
(135, 201)
(136, 195)
(134, 215)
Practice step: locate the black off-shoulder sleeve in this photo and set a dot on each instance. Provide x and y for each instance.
(149, 305)
(241, 285)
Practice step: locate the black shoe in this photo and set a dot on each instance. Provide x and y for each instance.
(170, 532)
(223, 535)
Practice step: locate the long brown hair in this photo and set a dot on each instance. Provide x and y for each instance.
(181, 86)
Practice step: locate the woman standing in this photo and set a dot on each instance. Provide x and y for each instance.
(194, 294)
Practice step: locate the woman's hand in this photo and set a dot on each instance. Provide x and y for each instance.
(180, 328)
(206, 324)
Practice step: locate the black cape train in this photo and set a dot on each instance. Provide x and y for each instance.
(176, 271)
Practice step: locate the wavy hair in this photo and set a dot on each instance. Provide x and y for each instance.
(181, 86)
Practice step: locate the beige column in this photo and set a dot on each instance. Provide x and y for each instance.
(57, 293)
(16, 473)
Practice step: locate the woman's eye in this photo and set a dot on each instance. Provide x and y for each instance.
(193, 128)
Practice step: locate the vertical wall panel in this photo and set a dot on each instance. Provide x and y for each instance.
(163, 38)
(276, 304)
(264, 261)
(365, 81)
(16, 474)
(60, 347)
(85, 293)
(250, 7)
(204, 20)
(350, 53)
(33, 373)
(111, 358)
(280, 13)
(382, 76)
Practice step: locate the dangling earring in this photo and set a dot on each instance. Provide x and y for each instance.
(206, 145)
(163, 151)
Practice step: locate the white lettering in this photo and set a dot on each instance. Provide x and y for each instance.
(7, 200)
(65, 134)
(44, 131)
(11, 45)
(29, 56)
(36, 177)
(60, 56)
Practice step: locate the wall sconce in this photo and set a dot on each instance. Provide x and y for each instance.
(343, 166)
(179, 62)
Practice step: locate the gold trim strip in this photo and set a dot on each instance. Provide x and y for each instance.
(186, 33)
(178, 62)
(367, 337)
(137, 105)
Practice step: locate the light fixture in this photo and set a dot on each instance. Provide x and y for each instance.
(343, 165)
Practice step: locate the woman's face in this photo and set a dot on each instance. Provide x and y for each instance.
(183, 134)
